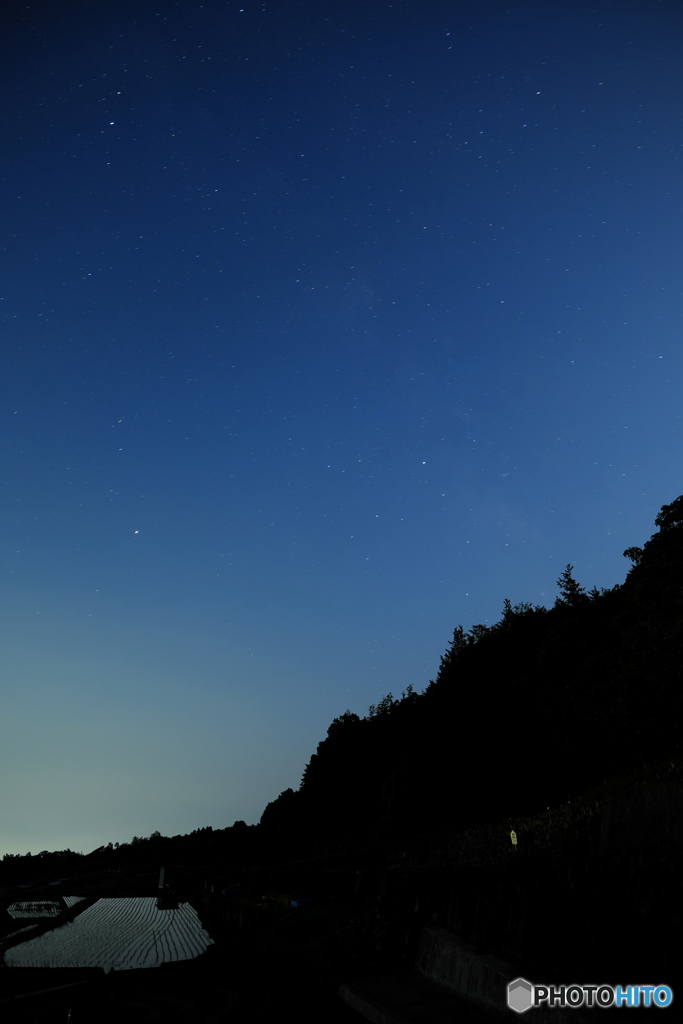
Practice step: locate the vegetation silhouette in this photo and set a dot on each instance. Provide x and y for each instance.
(523, 714)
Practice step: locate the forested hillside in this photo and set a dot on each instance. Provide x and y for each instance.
(521, 715)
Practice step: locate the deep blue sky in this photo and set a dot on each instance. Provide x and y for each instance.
(326, 326)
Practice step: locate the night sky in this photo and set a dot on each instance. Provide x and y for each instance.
(325, 326)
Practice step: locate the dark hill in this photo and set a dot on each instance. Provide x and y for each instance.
(522, 715)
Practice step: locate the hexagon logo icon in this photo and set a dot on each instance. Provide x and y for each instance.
(520, 995)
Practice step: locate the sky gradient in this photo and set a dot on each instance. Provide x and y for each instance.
(325, 327)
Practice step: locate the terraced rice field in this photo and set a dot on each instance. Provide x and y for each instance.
(34, 908)
(71, 901)
(117, 935)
